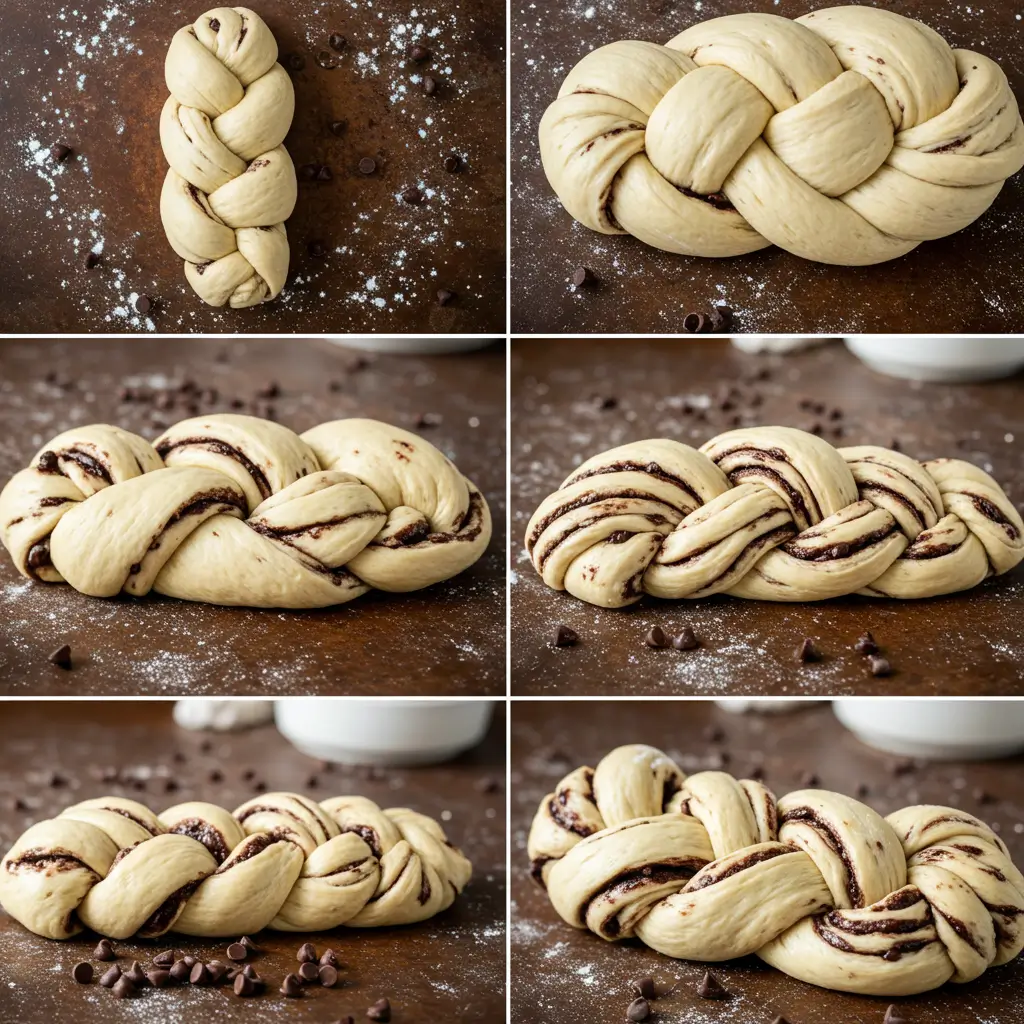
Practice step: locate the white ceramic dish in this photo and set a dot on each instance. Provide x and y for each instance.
(383, 732)
(949, 360)
(411, 346)
(943, 730)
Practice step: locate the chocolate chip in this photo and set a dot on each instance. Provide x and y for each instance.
(892, 955)
(143, 304)
(110, 977)
(380, 1011)
(809, 780)
(584, 277)
(367, 165)
(122, 988)
(291, 987)
(564, 637)
(328, 975)
(309, 972)
(452, 164)
(82, 973)
(866, 644)
(863, 789)
(236, 951)
(307, 172)
(62, 657)
(317, 248)
(417, 52)
(326, 60)
(413, 196)
(893, 1016)
(345, 1020)
(807, 651)
(180, 970)
(983, 796)
(325, 173)
(93, 260)
(337, 41)
(217, 971)
(720, 318)
(306, 953)
(216, 776)
(903, 766)
(244, 986)
(711, 988)
(693, 323)
(339, 127)
(60, 152)
(686, 641)
(48, 463)
(189, 961)
(104, 951)
(880, 666)
(330, 959)
(159, 978)
(714, 734)
(656, 637)
(488, 784)
(269, 390)
(200, 975)
(429, 85)
(638, 1010)
(780, 1020)
(645, 988)
(136, 975)
(445, 297)
(295, 61)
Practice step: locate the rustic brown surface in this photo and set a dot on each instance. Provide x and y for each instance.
(561, 974)
(105, 102)
(450, 968)
(968, 643)
(447, 639)
(970, 281)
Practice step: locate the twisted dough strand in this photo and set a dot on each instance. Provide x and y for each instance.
(773, 514)
(280, 861)
(236, 510)
(231, 183)
(847, 136)
(816, 884)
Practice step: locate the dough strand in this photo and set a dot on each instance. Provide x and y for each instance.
(817, 884)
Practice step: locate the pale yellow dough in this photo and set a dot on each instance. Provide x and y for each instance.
(817, 884)
(231, 183)
(279, 861)
(847, 136)
(772, 514)
(236, 510)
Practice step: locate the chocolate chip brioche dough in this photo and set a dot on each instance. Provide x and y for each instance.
(279, 861)
(771, 514)
(236, 510)
(816, 884)
(231, 183)
(847, 136)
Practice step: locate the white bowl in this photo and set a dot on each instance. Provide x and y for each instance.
(939, 359)
(383, 732)
(411, 346)
(941, 730)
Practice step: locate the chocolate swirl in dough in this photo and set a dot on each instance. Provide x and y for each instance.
(771, 513)
(847, 136)
(231, 183)
(236, 510)
(817, 884)
(280, 861)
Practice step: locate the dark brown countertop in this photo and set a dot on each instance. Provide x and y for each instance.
(91, 76)
(445, 640)
(561, 974)
(450, 968)
(968, 643)
(968, 282)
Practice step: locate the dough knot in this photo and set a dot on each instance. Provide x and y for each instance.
(279, 861)
(773, 514)
(817, 884)
(231, 183)
(235, 510)
(847, 136)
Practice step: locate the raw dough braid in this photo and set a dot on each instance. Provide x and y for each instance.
(847, 136)
(231, 184)
(279, 861)
(236, 510)
(816, 884)
(774, 514)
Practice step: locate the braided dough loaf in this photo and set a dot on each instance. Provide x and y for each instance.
(774, 514)
(816, 884)
(279, 861)
(231, 183)
(236, 510)
(847, 136)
